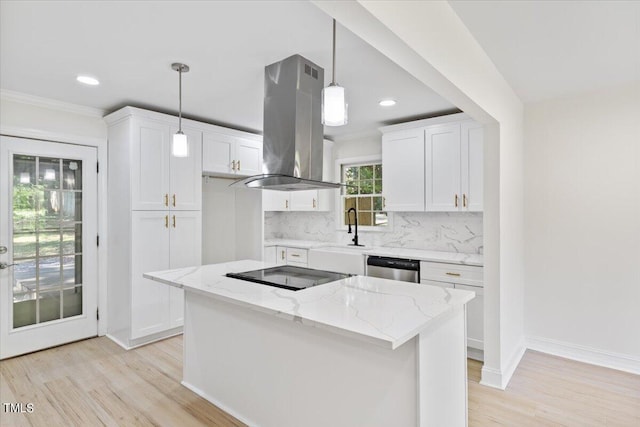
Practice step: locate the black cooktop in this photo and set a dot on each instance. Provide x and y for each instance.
(289, 277)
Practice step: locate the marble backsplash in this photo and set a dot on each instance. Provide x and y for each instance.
(438, 231)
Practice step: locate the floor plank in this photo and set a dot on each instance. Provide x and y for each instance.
(95, 382)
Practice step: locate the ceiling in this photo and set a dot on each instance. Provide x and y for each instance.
(549, 49)
(129, 47)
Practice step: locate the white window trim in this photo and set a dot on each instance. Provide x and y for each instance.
(375, 158)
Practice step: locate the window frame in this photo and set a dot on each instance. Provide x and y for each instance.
(339, 200)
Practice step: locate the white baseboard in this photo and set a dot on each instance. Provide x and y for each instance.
(117, 341)
(621, 362)
(146, 340)
(223, 407)
(499, 379)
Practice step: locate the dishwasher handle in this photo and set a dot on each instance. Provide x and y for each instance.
(397, 263)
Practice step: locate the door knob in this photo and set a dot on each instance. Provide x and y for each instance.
(3, 249)
(4, 265)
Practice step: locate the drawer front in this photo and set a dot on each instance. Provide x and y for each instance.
(452, 273)
(296, 255)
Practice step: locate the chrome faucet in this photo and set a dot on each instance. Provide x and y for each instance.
(355, 215)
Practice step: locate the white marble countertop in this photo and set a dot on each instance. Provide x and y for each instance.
(302, 244)
(417, 254)
(380, 311)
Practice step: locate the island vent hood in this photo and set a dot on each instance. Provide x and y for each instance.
(293, 130)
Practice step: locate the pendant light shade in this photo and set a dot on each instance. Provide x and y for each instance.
(180, 145)
(334, 104)
(334, 107)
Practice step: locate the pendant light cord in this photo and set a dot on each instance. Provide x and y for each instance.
(333, 75)
(180, 99)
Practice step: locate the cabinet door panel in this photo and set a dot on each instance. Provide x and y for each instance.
(218, 151)
(475, 317)
(306, 200)
(248, 157)
(472, 166)
(403, 170)
(150, 165)
(185, 251)
(149, 252)
(442, 165)
(273, 200)
(281, 255)
(186, 174)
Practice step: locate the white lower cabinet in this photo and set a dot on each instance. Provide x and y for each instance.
(465, 277)
(160, 241)
(282, 255)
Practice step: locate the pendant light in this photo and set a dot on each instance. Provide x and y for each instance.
(179, 146)
(334, 105)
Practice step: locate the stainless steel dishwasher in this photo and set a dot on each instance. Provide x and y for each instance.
(405, 270)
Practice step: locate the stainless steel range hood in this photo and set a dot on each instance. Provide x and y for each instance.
(293, 130)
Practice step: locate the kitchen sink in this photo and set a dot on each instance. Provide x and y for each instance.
(342, 259)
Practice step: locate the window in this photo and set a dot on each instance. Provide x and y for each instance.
(363, 192)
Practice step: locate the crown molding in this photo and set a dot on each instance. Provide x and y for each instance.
(38, 101)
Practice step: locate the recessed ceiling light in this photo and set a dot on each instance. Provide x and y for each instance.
(387, 103)
(91, 81)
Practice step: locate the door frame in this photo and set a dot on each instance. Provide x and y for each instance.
(101, 145)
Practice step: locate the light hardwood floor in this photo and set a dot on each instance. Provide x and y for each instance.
(95, 382)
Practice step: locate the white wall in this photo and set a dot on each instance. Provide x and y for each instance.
(232, 222)
(46, 118)
(582, 218)
(430, 41)
(365, 146)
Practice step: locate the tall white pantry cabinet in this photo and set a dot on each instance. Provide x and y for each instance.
(155, 222)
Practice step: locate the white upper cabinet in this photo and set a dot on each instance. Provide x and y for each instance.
(248, 157)
(305, 200)
(150, 175)
(185, 185)
(403, 170)
(159, 180)
(227, 154)
(433, 165)
(472, 169)
(442, 168)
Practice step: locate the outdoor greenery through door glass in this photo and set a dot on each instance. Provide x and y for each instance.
(364, 192)
(47, 239)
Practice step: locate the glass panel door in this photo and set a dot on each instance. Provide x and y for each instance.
(48, 252)
(47, 239)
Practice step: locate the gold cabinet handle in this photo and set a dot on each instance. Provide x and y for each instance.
(314, 203)
(286, 204)
(452, 274)
(166, 221)
(166, 199)
(174, 201)
(283, 254)
(174, 221)
(295, 255)
(233, 165)
(456, 200)
(464, 200)
(238, 164)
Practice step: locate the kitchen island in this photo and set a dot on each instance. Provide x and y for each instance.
(358, 351)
